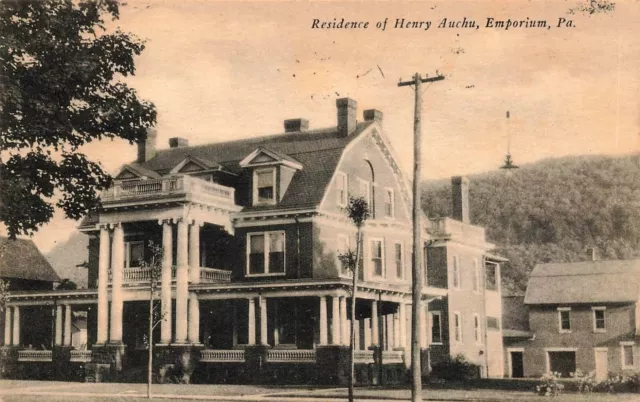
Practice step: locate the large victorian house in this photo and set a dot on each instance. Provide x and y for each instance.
(251, 285)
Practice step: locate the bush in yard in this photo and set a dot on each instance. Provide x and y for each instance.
(586, 382)
(550, 385)
(456, 369)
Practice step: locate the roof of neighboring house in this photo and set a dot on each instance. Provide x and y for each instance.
(21, 259)
(318, 151)
(516, 333)
(613, 281)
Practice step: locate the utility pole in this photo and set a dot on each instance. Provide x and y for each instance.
(416, 317)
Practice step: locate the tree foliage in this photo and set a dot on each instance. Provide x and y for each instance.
(553, 210)
(61, 87)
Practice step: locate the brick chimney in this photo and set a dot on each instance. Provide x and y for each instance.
(346, 116)
(296, 125)
(460, 196)
(147, 147)
(178, 142)
(372, 115)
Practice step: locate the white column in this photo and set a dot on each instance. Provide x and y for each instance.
(402, 331)
(335, 321)
(7, 326)
(58, 328)
(366, 329)
(182, 282)
(263, 320)
(117, 265)
(67, 325)
(194, 318)
(103, 297)
(356, 329)
(344, 321)
(324, 339)
(374, 324)
(251, 325)
(425, 327)
(165, 282)
(396, 329)
(194, 253)
(16, 326)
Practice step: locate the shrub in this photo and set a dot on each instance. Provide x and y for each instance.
(456, 369)
(550, 385)
(586, 382)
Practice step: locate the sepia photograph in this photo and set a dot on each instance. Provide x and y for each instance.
(319, 201)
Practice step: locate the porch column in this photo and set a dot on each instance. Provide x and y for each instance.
(165, 282)
(344, 321)
(324, 338)
(402, 331)
(194, 253)
(194, 319)
(67, 325)
(263, 320)
(425, 327)
(396, 328)
(58, 325)
(182, 282)
(374, 323)
(251, 325)
(7, 326)
(366, 330)
(103, 297)
(16, 326)
(117, 265)
(335, 321)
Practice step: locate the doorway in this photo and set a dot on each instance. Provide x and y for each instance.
(563, 362)
(517, 364)
(602, 366)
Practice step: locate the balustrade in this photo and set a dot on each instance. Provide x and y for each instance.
(29, 355)
(222, 356)
(291, 355)
(80, 356)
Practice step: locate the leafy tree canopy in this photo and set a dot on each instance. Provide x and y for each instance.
(61, 87)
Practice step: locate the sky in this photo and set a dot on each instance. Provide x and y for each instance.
(221, 71)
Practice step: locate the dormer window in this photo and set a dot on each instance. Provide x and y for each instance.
(264, 186)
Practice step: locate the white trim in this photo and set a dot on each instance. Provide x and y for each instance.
(342, 177)
(387, 191)
(510, 362)
(266, 253)
(623, 365)
(457, 335)
(193, 159)
(560, 311)
(254, 184)
(370, 257)
(432, 314)
(604, 317)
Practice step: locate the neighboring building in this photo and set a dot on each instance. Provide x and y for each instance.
(251, 284)
(582, 316)
(515, 333)
(25, 268)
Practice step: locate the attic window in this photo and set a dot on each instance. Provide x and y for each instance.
(264, 186)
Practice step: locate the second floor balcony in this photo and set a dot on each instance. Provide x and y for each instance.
(141, 276)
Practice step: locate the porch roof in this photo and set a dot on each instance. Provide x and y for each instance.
(51, 296)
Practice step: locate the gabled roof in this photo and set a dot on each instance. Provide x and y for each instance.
(318, 151)
(204, 164)
(262, 156)
(138, 170)
(21, 259)
(616, 281)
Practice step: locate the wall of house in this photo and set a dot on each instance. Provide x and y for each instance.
(544, 322)
(437, 275)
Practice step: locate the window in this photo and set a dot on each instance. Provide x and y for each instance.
(564, 319)
(493, 323)
(599, 324)
(477, 332)
(265, 253)
(343, 247)
(457, 327)
(436, 327)
(456, 273)
(399, 260)
(377, 257)
(491, 276)
(134, 253)
(389, 203)
(365, 192)
(627, 355)
(264, 186)
(342, 189)
(476, 276)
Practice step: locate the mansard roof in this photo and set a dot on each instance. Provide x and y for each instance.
(21, 259)
(615, 281)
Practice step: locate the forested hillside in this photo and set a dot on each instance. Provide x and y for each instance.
(553, 210)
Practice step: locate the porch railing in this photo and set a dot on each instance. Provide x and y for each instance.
(80, 356)
(222, 356)
(134, 275)
(291, 356)
(392, 356)
(214, 275)
(34, 356)
(363, 356)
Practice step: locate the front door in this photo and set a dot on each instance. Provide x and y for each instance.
(601, 364)
(517, 365)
